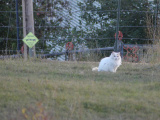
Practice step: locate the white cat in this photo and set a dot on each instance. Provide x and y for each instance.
(109, 64)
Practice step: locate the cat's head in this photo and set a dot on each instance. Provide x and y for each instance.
(115, 55)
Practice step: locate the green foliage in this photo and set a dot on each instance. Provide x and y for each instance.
(45, 29)
(132, 15)
(8, 25)
(96, 27)
(48, 23)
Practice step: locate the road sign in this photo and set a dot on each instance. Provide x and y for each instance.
(30, 40)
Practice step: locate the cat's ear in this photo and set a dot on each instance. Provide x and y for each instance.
(112, 53)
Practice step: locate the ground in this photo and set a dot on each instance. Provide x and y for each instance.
(53, 90)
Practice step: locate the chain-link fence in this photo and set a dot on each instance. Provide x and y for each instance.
(84, 26)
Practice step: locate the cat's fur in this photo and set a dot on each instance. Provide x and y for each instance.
(109, 64)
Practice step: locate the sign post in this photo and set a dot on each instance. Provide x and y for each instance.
(28, 25)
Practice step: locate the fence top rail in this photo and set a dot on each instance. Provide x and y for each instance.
(91, 10)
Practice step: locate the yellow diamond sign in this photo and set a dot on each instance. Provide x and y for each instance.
(30, 40)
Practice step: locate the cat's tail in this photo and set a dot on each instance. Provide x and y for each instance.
(95, 69)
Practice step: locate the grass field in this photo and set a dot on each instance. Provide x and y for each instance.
(52, 90)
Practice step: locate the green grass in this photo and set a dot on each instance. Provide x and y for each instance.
(52, 90)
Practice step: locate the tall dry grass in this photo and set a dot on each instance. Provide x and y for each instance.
(153, 32)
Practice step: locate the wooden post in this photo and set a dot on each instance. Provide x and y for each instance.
(29, 22)
(24, 29)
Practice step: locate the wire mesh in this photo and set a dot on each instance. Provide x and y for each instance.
(87, 24)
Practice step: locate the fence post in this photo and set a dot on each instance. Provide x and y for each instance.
(29, 19)
(24, 29)
(17, 23)
(117, 26)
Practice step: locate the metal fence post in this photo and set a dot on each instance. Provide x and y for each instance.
(24, 29)
(117, 26)
(17, 22)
